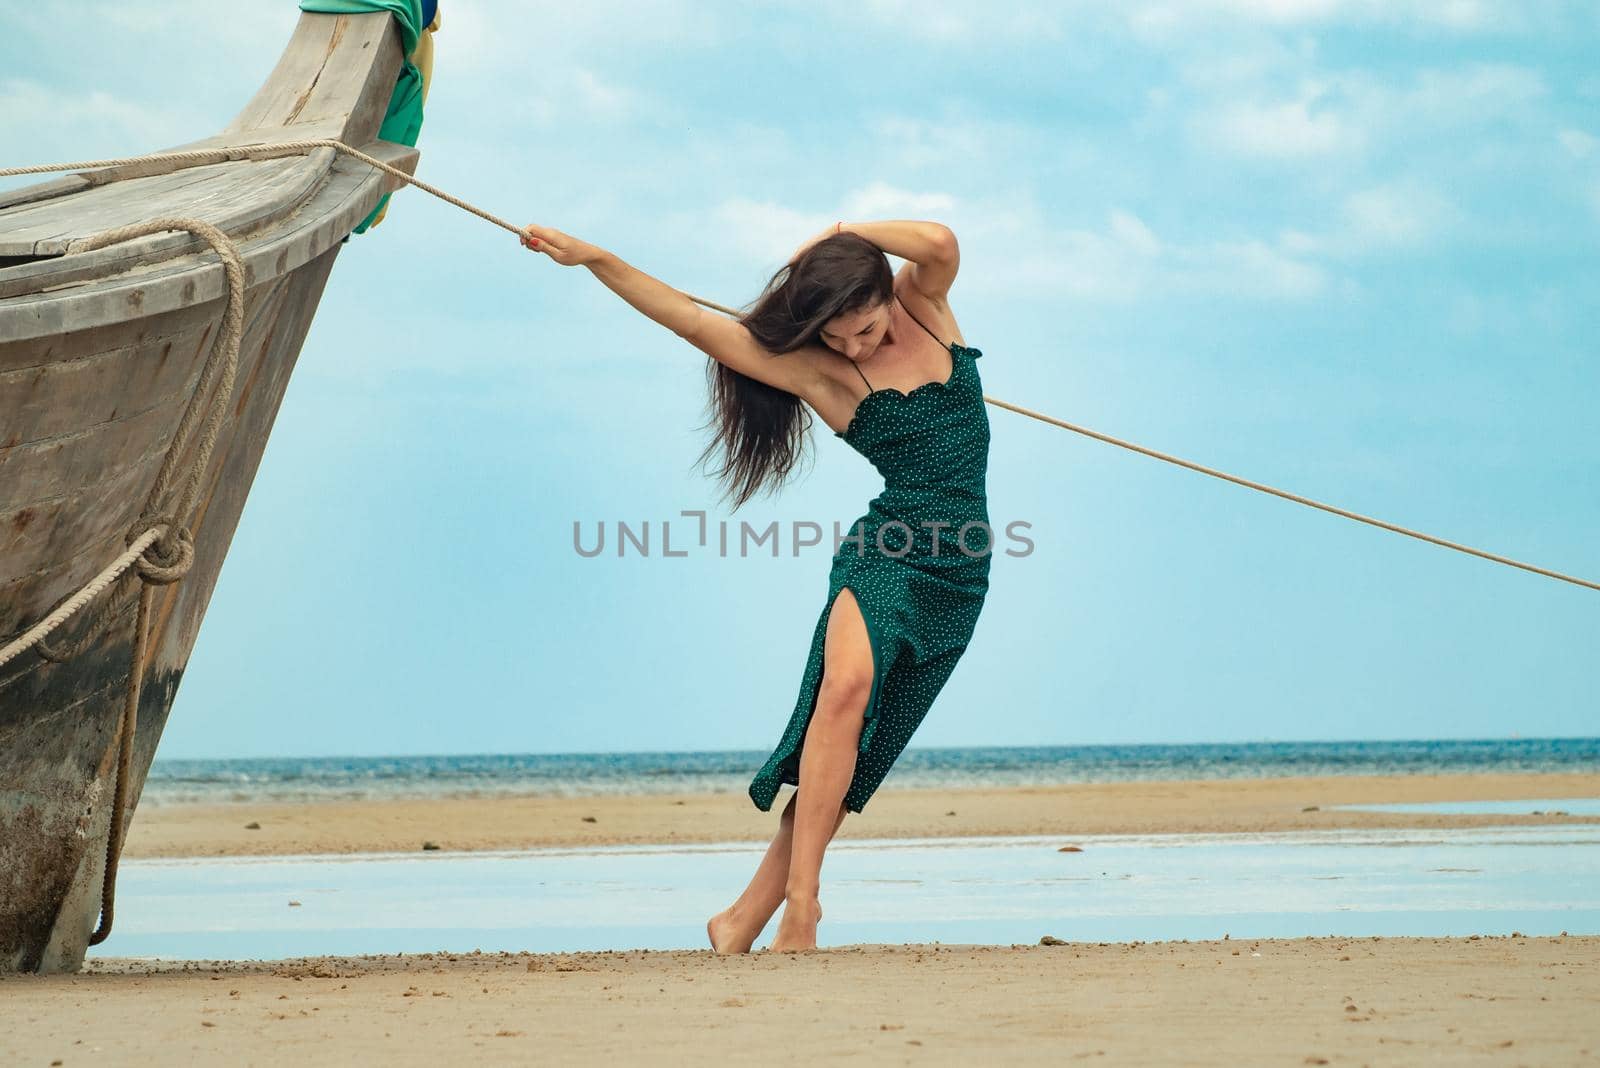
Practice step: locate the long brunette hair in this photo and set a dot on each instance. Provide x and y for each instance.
(760, 428)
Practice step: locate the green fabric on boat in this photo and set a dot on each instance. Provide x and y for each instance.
(403, 121)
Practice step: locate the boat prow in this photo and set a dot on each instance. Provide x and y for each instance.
(100, 352)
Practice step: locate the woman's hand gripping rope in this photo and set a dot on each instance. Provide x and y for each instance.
(565, 249)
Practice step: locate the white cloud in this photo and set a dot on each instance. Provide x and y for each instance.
(1244, 64)
(1472, 14)
(1171, 18)
(1131, 233)
(1122, 262)
(1389, 216)
(1466, 95)
(765, 231)
(237, 30)
(880, 200)
(1157, 19)
(1250, 268)
(1022, 254)
(522, 39)
(601, 98)
(558, 95)
(1580, 144)
(53, 125)
(768, 232)
(1294, 129)
(1346, 113)
(959, 22)
(924, 142)
(1397, 215)
(552, 64)
(1280, 10)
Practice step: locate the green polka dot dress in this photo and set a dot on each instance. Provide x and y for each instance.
(919, 570)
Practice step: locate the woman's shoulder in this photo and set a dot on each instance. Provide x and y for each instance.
(937, 315)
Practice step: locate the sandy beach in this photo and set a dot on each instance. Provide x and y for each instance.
(1317, 1000)
(1183, 807)
(1511, 1001)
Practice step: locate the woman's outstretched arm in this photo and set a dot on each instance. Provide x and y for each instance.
(651, 296)
(723, 339)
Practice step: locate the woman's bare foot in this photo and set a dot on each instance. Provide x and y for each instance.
(797, 931)
(728, 935)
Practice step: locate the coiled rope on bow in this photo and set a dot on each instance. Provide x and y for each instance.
(160, 545)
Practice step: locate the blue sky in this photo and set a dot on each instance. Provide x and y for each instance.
(1343, 248)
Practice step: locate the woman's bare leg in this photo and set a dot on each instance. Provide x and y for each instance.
(736, 928)
(827, 764)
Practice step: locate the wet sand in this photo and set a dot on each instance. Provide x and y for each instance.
(1306, 1001)
(1325, 1000)
(1203, 806)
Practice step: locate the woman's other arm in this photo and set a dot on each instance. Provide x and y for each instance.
(930, 250)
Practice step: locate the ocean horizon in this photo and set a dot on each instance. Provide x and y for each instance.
(290, 779)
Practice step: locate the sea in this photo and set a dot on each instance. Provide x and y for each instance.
(177, 782)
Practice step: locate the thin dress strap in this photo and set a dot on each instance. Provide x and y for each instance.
(920, 323)
(857, 366)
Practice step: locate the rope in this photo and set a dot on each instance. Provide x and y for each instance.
(36, 634)
(156, 162)
(220, 242)
(163, 551)
(126, 729)
(286, 148)
(203, 156)
(160, 547)
(1287, 495)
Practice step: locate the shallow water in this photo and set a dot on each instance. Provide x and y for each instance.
(1567, 806)
(1449, 882)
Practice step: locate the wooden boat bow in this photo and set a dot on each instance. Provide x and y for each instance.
(100, 352)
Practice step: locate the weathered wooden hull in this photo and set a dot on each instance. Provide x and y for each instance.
(98, 359)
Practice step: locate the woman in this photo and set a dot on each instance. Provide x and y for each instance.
(909, 577)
